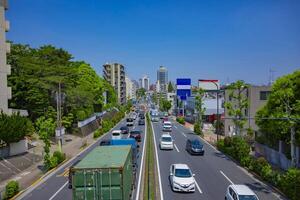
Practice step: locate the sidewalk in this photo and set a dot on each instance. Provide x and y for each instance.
(26, 176)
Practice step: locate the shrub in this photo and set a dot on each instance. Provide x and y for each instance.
(11, 189)
(60, 156)
(53, 162)
(220, 145)
(258, 164)
(241, 148)
(198, 129)
(290, 184)
(98, 133)
(180, 120)
(227, 141)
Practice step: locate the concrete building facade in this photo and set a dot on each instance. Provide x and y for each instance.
(130, 89)
(257, 98)
(162, 77)
(5, 69)
(145, 81)
(114, 73)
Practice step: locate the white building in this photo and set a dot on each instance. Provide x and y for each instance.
(130, 88)
(145, 81)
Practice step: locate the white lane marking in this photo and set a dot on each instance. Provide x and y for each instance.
(158, 166)
(176, 148)
(198, 187)
(175, 127)
(183, 134)
(142, 164)
(62, 187)
(226, 177)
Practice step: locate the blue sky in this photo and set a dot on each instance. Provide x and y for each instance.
(225, 40)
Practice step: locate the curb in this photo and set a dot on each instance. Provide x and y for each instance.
(65, 162)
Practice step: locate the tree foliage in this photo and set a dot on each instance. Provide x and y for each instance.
(14, 128)
(200, 110)
(170, 87)
(238, 104)
(283, 102)
(165, 105)
(36, 73)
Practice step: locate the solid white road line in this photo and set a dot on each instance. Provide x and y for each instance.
(62, 187)
(226, 177)
(176, 148)
(183, 134)
(158, 166)
(142, 164)
(198, 187)
(176, 127)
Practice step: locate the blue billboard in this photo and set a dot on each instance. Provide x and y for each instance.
(183, 88)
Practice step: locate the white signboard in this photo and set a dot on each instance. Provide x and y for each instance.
(209, 85)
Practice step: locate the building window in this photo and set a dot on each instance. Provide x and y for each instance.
(264, 95)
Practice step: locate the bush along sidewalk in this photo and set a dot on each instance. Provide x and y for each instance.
(106, 125)
(180, 120)
(288, 182)
(11, 189)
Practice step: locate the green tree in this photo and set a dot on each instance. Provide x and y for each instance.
(237, 105)
(170, 87)
(200, 110)
(46, 128)
(165, 105)
(14, 128)
(141, 92)
(279, 118)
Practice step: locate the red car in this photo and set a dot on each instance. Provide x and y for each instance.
(136, 135)
(165, 119)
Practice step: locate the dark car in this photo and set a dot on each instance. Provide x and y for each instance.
(105, 143)
(141, 121)
(136, 135)
(142, 116)
(194, 147)
(124, 130)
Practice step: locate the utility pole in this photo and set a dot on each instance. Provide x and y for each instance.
(59, 131)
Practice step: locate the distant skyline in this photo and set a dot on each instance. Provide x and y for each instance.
(225, 40)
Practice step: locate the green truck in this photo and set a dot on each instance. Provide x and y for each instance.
(106, 173)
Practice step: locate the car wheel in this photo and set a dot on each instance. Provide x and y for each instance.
(225, 198)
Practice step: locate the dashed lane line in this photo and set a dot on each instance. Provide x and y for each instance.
(176, 148)
(198, 187)
(228, 179)
(62, 187)
(183, 134)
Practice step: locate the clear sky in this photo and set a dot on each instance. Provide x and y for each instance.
(224, 39)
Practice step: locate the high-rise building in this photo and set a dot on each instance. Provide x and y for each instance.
(146, 82)
(130, 88)
(5, 91)
(114, 73)
(162, 77)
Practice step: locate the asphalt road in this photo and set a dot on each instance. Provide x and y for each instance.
(213, 171)
(56, 186)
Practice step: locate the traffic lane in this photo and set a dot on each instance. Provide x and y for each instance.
(226, 167)
(53, 184)
(166, 159)
(66, 193)
(209, 179)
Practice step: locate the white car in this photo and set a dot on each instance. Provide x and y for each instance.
(166, 142)
(116, 134)
(167, 126)
(240, 192)
(181, 178)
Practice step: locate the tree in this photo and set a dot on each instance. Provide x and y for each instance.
(279, 118)
(170, 87)
(141, 92)
(154, 98)
(45, 127)
(14, 128)
(237, 105)
(165, 105)
(200, 110)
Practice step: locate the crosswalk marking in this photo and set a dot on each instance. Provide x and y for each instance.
(65, 173)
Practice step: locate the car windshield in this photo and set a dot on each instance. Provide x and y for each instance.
(247, 197)
(183, 173)
(197, 144)
(115, 134)
(166, 139)
(129, 120)
(123, 128)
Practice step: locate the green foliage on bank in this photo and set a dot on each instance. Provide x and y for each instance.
(14, 128)
(180, 120)
(36, 74)
(288, 182)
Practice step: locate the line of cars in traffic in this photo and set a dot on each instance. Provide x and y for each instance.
(180, 175)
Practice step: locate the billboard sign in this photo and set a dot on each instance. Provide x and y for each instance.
(208, 84)
(183, 89)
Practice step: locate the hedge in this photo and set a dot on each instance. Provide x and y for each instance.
(180, 120)
(11, 189)
(288, 182)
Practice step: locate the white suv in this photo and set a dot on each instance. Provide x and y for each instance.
(166, 142)
(181, 178)
(116, 134)
(240, 192)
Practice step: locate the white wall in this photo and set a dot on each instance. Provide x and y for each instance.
(18, 147)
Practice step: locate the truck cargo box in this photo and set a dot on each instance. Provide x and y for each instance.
(104, 174)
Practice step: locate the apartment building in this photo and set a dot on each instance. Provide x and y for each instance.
(114, 73)
(257, 98)
(5, 70)
(130, 89)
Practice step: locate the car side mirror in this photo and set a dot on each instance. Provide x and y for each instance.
(171, 174)
(193, 175)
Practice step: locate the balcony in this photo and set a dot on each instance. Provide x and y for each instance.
(7, 47)
(7, 26)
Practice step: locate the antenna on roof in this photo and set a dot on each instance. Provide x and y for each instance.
(271, 76)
